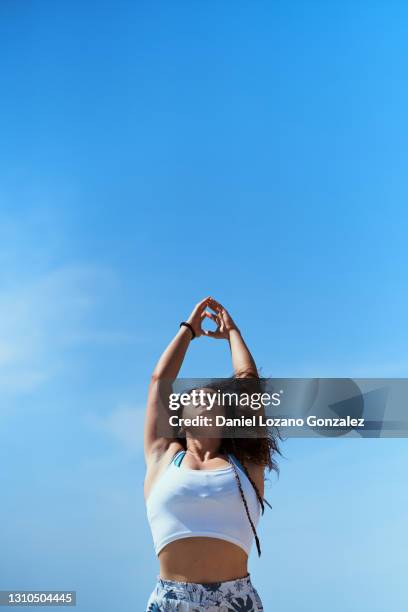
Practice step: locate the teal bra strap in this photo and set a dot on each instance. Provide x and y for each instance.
(178, 458)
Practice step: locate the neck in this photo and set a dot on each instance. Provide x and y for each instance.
(203, 448)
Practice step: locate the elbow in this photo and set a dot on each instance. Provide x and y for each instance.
(155, 378)
(247, 373)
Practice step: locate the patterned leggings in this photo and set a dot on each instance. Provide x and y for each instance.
(231, 596)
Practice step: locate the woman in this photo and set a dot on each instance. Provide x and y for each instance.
(204, 493)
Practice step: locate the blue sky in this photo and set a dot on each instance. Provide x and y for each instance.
(155, 153)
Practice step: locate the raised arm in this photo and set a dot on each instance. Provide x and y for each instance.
(244, 367)
(166, 370)
(242, 360)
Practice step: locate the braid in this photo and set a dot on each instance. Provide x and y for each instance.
(261, 501)
(246, 505)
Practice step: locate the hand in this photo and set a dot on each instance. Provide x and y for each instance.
(224, 321)
(198, 315)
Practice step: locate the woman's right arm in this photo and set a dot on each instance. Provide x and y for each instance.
(166, 370)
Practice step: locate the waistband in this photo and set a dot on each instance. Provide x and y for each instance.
(228, 585)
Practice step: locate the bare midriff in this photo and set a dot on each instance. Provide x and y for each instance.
(202, 560)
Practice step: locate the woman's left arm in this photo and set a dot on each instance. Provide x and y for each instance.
(242, 361)
(244, 367)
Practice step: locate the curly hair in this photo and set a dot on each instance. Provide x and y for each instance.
(260, 446)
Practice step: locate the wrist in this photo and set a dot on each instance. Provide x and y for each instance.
(189, 329)
(194, 325)
(233, 332)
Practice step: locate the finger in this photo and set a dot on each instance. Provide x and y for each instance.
(220, 308)
(216, 306)
(221, 315)
(225, 315)
(204, 302)
(210, 334)
(214, 301)
(210, 315)
(216, 318)
(201, 305)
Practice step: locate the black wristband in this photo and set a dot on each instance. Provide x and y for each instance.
(189, 327)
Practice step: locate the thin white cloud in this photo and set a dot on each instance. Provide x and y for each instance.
(48, 304)
(43, 316)
(123, 424)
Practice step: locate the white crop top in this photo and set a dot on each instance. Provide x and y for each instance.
(185, 503)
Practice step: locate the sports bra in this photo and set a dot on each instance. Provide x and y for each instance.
(186, 503)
